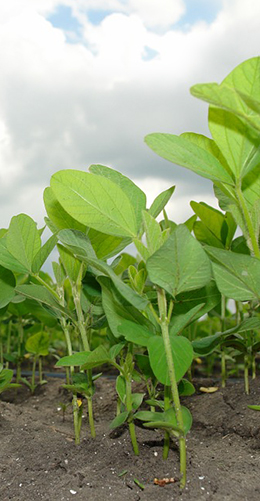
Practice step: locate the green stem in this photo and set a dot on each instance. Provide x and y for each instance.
(129, 409)
(223, 355)
(33, 386)
(162, 303)
(248, 222)
(47, 286)
(253, 367)
(90, 418)
(40, 370)
(8, 344)
(166, 444)
(246, 378)
(19, 350)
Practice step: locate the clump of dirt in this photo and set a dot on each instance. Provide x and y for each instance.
(38, 458)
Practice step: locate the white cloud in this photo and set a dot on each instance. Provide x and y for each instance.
(68, 105)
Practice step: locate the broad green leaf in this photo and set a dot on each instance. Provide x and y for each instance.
(115, 350)
(182, 354)
(104, 245)
(190, 222)
(81, 247)
(160, 202)
(154, 238)
(38, 344)
(8, 261)
(184, 302)
(135, 333)
(41, 256)
(211, 217)
(41, 294)
(96, 202)
(137, 399)
(206, 345)
(236, 140)
(117, 310)
(144, 365)
(237, 275)
(7, 285)
(71, 265)
(59, 273)
(205, 236)
(180, 264)
(179, 322)
(183, 152)
(121, 388)
(119, 420)
(23, 240)
(77, 359)
(122, 262)
(58, 215)
(142, 249)
(162, 419)
(185, 388)
(208, 145)
(97, 357)
(136, 196)
(230, 99)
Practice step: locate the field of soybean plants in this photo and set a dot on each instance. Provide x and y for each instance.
(135, 374)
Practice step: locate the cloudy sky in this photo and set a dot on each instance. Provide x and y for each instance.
(83, 81)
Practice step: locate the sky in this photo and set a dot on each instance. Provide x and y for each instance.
(83, 81)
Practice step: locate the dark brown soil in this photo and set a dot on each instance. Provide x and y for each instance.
(38, 458)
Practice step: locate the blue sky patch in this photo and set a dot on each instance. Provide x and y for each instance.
(199, 10)
(149, 54)
(96, 16)
(62, 18)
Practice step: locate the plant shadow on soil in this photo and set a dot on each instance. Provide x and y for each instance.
(38, 458)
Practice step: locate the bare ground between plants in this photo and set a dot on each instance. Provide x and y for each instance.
(38, 459)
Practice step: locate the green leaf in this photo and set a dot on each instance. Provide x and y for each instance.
(137, 399)
(136, 196)
(206, 345)
(97, 357)
(154, 238)
(71, 265)
(237, 275)
(117, 310)
(8, 261)
(211, 217)
(95, 201)
(238, 93)
(209, 295)
(119, 420)
(121, 388)
(41, 294)
(135, 333)
(186, 388)
(179, 322)
(183, 152)
(143, 364)
(182, 354)
(180, 264)
(81, 247)
(7, 285)
(160, 202)
(23, 240)
(38, 344)
(58, 215)
(104, 245)
(77, 359)
(41, 256)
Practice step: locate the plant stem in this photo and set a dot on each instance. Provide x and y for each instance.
(19, 350)
(90, 418)
(40, 369)
(162, 303)
(33, 386)
(166, 444)
(223, 355)
(246, 379)
(8, 344)
(129, 409)
(248, 222)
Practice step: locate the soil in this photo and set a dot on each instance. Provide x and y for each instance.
(38, 458)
